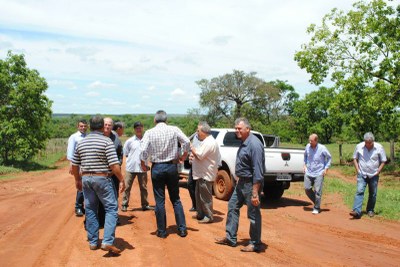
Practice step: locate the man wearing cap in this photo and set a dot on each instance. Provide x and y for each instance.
(134, 168)
(160, 143)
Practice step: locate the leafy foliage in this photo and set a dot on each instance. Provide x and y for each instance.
(24, 109)
(360, 51)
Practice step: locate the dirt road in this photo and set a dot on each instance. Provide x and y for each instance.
(38, 227)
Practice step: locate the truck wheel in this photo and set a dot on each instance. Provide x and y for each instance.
(273, 191)
(223, 185)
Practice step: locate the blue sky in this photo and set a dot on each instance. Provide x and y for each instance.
(123, 57)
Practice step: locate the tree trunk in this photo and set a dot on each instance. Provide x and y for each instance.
(392, 158)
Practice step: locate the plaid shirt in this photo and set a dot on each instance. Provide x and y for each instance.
(161, 143)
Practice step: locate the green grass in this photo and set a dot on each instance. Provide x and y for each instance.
(387, 199)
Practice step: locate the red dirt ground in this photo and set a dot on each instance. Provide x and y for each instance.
(38, 227)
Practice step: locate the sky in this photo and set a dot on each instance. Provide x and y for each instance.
(136, 57)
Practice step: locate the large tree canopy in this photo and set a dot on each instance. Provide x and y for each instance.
(24, 109)
(360, 52)
(244, 94)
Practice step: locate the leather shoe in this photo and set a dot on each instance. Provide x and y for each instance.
(249, 248)
(110, 248)
(224, 241)
(182, 233)
(79, 212)
(144, 208)
(355, 214)
(93, 247)
(161, 234)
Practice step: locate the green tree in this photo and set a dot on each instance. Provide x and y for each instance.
(360, 51)
(313, 114)
(224, 96)
(24, 109)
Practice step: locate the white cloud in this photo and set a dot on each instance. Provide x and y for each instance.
(62, 84)
(178, 92)
(100, 85)
(92, 94)
(139, 50)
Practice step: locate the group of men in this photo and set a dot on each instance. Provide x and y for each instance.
(96, 159)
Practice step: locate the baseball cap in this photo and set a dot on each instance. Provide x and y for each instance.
(137, 124)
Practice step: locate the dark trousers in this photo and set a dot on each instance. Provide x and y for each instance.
(191, 184)
(162, 175)
(101, 212)
(79, 200)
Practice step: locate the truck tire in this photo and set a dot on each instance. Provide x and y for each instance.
(223, 186)
(273, 191)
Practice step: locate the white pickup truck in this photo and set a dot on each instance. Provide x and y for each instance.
(282, 165)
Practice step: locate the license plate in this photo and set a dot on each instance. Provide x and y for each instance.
(283, 177)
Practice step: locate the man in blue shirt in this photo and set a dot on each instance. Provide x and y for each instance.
(249, 170)
(317, 160)
(73, 140)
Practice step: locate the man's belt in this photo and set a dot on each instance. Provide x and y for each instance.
(166, 162)
(105, 174)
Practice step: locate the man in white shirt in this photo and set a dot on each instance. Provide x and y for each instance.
(73, 140)
(205, 161)
(369, 159)
(134, 168)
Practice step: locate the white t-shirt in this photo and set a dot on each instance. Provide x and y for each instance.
(205, 165)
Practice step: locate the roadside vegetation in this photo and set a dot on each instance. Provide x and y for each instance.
(46, 159)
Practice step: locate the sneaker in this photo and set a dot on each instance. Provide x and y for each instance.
(371, 213)
(315, 211)
(124, 208)
(205, 220)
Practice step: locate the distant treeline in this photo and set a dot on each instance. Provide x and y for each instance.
(63, 125)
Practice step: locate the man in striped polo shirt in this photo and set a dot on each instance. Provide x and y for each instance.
(97, 159)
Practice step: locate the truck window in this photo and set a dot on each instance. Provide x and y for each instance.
(214, 134)
(231, 140)
(260, 138)
(271, 140)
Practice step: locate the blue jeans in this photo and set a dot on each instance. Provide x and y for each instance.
(242, 195)
(372, 192)
(316, 194)
(95, 189)
(167, 175)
